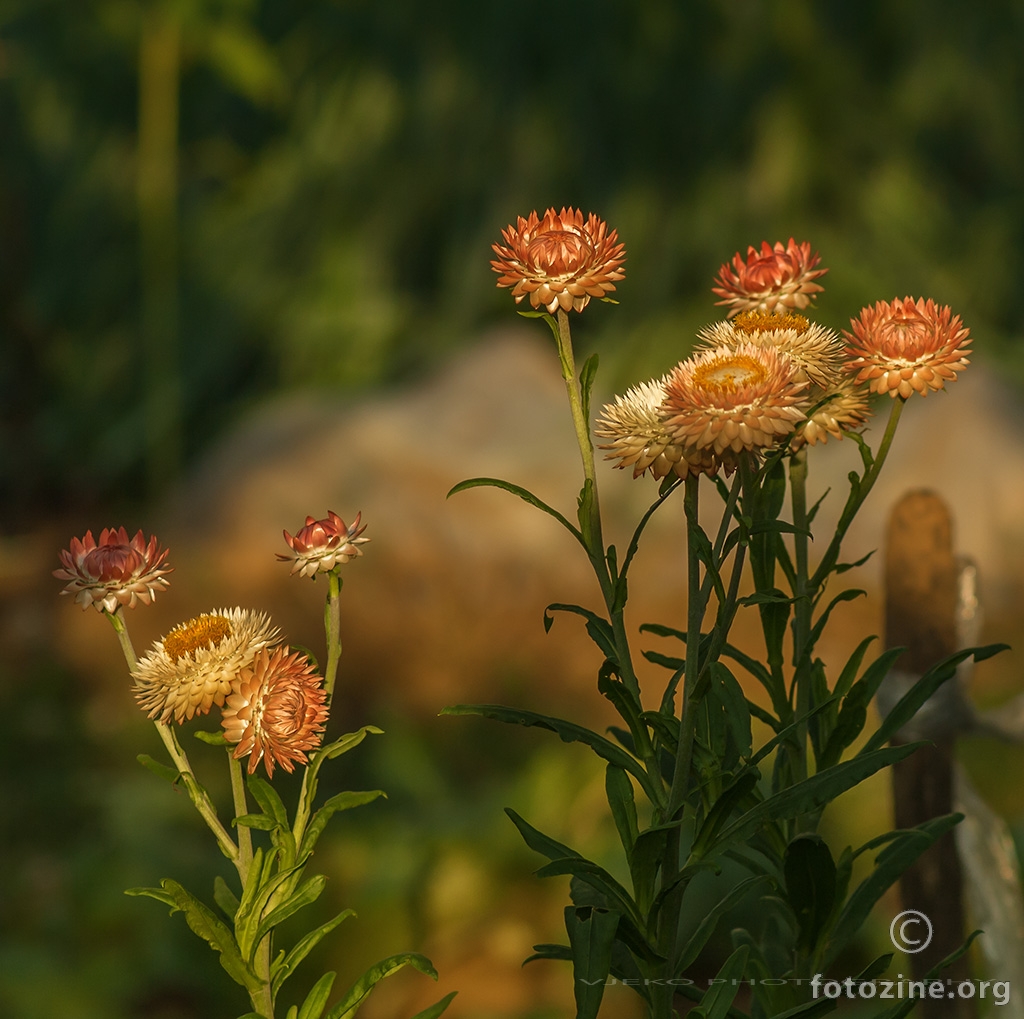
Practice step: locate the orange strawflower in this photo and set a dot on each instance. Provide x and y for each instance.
(907, 346)
(730, 400)
(193, 667)
(560, 261)
(276, 710)
(321, 545)
(114, 571)
(774, 279)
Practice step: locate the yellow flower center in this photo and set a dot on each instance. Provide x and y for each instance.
(202, 632)
(763, 321)
(559, 251)
(727, 374)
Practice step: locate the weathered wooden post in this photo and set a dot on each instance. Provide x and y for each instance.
(921, 595)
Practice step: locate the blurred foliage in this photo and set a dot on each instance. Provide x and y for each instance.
(344, 165)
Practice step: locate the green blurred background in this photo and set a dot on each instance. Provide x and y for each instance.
(204, 203)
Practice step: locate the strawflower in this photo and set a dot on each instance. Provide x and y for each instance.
(774, 279)
(907, 346)
(276, 710)
(116, 570)
(559, 261)
(731, 400)
(845, 411)
(816, 352)
(321, 545)
(641, 439)
(193, 666)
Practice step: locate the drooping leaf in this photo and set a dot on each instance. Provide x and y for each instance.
(599, 629)
(523, 494)
(340, 801)
(161, 770)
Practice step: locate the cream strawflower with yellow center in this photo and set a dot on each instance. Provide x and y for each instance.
(276, 711)
(730, 400)
(902, 347)
(559, 261)
(845, 411)
(816, 352)
(193, 666)
(641, 440)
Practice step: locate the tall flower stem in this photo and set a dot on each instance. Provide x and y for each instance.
(332, 628)
(592, 525)
(262, 999)
(200, 798)
(802, 605)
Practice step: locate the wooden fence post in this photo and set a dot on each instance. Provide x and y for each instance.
(921, 590)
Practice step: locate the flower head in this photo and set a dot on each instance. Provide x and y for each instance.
(193, 666)
(560, 261)
(733, 399)
(321, 545)
(845, 410)
(773, 279)
(816, 352)
(276, 710)
(641, 440)
(905, 346)
(114, 571)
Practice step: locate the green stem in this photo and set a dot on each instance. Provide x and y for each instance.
(200, 798)
(591, 525)
(828, 560)
(802, 607)
(244, 860)
(332, 627)
(694, 618)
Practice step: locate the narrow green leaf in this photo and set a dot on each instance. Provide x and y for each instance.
(706, 928)
(307, 892)
(343, 744)
(597, 877)
(215, 739)
(346, 1008)
(259, 821)
(340, 801)
(599, 629)
(205, 923)
(568, 732)
(285, 966)
(813, 793)
(718, 999)
(591, 936)
(266, 796)
(912, 700)
(433, 1011)
(161, 770)
(721, 810)
(154, 893)
(225, 897)
(891, 862)
(619, 790)
(316, 1000)
(844, 596)
(523, 494)
(587, 375)
(539, 842)
(810, 874)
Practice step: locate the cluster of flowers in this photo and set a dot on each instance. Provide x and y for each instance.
(764, 376)
(274, 705)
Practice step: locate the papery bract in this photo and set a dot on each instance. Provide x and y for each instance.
(116, 570)
(276, 711)
(321, 545)
(559, 261)
(775, 279)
